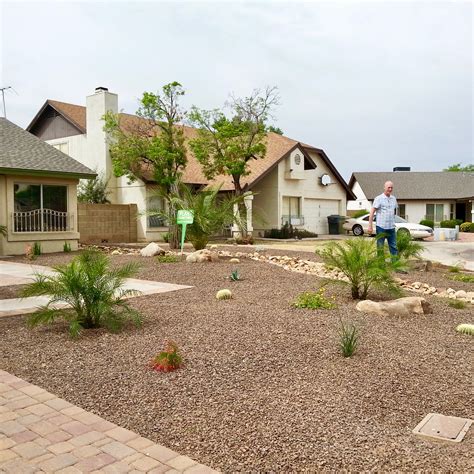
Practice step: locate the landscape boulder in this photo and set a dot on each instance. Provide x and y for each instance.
(203, 255)
(398, 307)
(151, 250)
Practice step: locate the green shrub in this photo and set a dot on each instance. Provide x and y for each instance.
(93, 290)
(314, 300)
(458, 304)
(66, 247)
(348, 338)
(463, 277)
(165, 236)
(287, 231)
(359, 260)
(408, 248)
(450, 224)
(467, 227)
(454, 269)
(360, 213)
(36, 249)
(427, 222)
(168, 258)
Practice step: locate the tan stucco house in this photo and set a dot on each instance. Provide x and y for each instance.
(37, 192)
(433, 195)
(295, 182)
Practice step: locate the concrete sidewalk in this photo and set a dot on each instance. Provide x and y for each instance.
(40, 432)
(12, 273)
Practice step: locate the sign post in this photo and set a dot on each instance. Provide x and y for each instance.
(184, 217)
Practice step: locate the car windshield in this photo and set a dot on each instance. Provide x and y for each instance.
(399, 220)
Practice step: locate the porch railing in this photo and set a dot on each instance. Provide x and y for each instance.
(41, 220)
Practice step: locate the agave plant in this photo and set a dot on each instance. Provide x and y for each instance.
(93, 291)
(363, 266)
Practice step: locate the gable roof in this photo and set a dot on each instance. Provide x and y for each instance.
(23, 153)
(278, 148)
(422, 185)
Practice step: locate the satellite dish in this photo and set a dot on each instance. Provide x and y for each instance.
(325, 180)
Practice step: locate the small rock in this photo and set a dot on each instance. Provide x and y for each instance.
(234, 260)
(151, 250)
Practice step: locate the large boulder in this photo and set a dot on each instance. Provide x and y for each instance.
(204, 255)
(151, 250)
(398, 307)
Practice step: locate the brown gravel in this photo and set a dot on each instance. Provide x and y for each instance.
(264, 387)
(7, 292)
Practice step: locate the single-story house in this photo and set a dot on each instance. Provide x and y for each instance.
(295, 182)
(434, 195)
(38, 200)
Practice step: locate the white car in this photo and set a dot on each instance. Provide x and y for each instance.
(360, 226)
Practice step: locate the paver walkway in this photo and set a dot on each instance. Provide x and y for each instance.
(13, 273)
(40, 432)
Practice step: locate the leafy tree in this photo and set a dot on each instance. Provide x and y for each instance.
(469, 168)
(93, 290)
(272, 128)
(360, 262)
(93, 191)
(154, 145)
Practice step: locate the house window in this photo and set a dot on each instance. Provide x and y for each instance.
(292, 211)
(434, 212)
(40, 208)
(452, 211)
(64, 147)
(155, 204)
(402, 211)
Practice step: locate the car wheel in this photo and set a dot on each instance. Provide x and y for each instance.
(403, 231)
(358, 230)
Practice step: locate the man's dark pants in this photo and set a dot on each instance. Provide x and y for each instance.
(391, 236)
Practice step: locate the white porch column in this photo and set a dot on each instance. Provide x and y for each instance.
(248, 206)
(236, 234)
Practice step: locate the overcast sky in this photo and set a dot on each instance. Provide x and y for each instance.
(375, 84)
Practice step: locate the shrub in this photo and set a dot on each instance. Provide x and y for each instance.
(244, 240)
(314, 300)
(93, 291)
(466, 329)
(348, 338)
(360, 213)
(168, 258)
(93, 191)
(66, 247)
(165, 236)
(450, 224)
(363, 266)
(454, 269)
(234, 276)
(168, 359)
(463, 277)
(467, 227)
(287, 231)
(458, 304)
(36, 249)
(427, 222)
(408, 248)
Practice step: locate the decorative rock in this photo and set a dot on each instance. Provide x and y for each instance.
(151, 250)
(234, 260)
(204, 255)
(398, 307)
(224, 294)
(213, 247)
(460, 294)
(116, 252)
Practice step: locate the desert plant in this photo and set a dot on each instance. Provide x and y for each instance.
(66, 247)
(36, 249)
(314, 300)
(466, 329)
(458, 304)
(168, 359)
(93, 191)
(348, 338)
(165, 236)
(168, 258)
(408, 248)
(234, 276)
(224, 294)
(360, 213)
(463, 277)
(427, 222)
(359, 261)
(92, 289)
(455, 269)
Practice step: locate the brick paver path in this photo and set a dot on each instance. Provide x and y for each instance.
(40, 432)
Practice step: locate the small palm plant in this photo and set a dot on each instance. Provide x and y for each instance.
(92, 289)
(359, 261)
(408, 248)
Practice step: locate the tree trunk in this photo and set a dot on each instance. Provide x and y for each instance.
(173, 238)
(242, 211)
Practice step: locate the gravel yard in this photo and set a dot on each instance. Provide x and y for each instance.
(264, 387)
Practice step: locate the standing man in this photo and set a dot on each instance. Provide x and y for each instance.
(385, 205)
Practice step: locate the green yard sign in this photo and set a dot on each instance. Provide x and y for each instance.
(184, 217)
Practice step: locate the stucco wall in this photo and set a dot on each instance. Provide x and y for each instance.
(265, 203)
(15, 242)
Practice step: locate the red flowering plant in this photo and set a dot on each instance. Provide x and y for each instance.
(168, 359)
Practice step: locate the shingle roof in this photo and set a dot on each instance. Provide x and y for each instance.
(417, 184)
(278, 146)
(20, 150)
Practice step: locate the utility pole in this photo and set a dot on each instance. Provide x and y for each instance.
(3, 89)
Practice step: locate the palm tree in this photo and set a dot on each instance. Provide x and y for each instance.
(93, 291)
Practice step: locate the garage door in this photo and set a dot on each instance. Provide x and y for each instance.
(316, 212)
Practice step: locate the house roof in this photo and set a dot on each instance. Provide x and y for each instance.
(22, 152)
(422, 185)
(278, 148)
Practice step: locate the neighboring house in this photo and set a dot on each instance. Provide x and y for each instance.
(294, 182)
(434, 195)
(37, 192)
